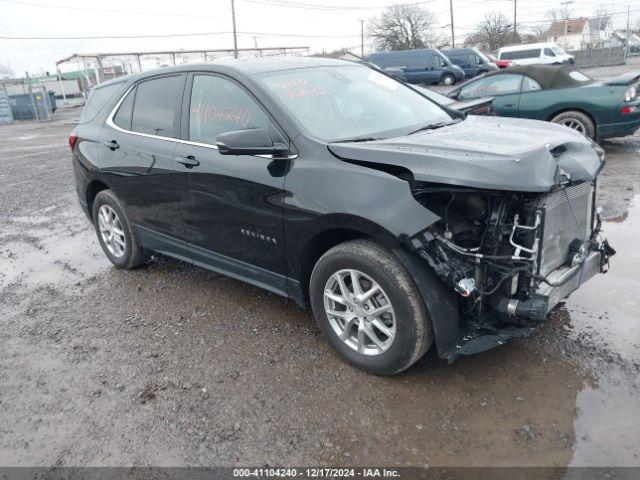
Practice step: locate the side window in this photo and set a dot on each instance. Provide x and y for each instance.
(492, 86)
(219, 105)
(549, 53)
(98, 98)
(122, 117)
(156, 104)
(535, 53)
(437, 62)
(530, 85)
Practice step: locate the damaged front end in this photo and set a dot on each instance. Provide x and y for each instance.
(510, 256)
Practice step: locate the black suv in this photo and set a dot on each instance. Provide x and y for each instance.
(397, 221)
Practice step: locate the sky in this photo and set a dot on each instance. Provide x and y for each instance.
(320, 25)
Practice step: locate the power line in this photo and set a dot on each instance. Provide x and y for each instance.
(199, 34)
(314, 6)
(105, 10)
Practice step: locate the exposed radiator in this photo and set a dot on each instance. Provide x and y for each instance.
(567, 217)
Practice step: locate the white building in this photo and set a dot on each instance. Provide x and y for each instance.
(572, 34)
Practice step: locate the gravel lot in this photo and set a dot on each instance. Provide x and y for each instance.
(174, 365)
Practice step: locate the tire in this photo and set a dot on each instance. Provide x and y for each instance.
(578, 121)
(406, 318)
(448, 80)
(123, 250)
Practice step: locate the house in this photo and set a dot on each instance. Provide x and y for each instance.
(619, 39)
(600, 30)
(571, 34)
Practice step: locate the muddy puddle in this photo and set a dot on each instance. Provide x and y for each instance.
(606, 310)
(605, 315)
(55, 247)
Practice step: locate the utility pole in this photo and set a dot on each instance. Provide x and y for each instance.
(515, 24)
(235, 36)
(453, 36)
(362, 39)
(626, 56)
(566, 4)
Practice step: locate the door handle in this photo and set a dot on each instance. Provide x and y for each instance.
(188, 161)
(508, 105)
(112, 144)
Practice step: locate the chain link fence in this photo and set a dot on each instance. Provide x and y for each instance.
(599, 57)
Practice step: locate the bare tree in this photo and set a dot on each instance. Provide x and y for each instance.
(403, 27)
(557, 14)
(493, 32)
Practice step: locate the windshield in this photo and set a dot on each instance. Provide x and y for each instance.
(558, 50)
(338, 103)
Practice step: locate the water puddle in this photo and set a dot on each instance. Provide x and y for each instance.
(606, 309)
(52, 247)
(605, 313)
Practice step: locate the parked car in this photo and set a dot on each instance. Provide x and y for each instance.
(471, 60)
(398, 223)
(426, 66)
(477, 106)
(499, 63)
(535, 53)
(561, 94)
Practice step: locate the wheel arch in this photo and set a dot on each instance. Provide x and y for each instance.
(93, 188)
(573, 109)
(336, 229)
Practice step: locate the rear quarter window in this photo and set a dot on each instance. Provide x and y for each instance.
(98, 98)
(156, 106)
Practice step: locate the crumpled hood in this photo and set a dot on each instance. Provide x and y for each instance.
(485, 152)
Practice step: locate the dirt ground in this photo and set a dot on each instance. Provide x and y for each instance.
(174, 365)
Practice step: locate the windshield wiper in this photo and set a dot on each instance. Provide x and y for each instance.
(357, 139)
(433, 126)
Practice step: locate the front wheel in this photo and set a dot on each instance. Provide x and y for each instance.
(448, 80)
(369, 308)
(577, 121)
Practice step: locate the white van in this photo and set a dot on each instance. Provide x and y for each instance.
(548, 53)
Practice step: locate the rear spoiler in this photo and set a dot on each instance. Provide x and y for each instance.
(624, 79)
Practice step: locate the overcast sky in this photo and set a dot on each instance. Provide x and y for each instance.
(324, 28)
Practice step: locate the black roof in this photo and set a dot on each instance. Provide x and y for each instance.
(548, 76)
(247, 66)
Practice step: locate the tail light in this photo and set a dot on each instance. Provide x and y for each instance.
(73, 138)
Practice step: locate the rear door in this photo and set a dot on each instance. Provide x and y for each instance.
(138, 148)
(504, 88)
(233, 215)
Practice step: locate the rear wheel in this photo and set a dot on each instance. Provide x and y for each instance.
(115, 232)
(577, 121)
(368, 308)
(448, 80)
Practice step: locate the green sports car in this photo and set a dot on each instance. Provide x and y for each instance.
(561, 94)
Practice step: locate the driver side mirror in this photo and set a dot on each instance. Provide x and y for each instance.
(250, 141)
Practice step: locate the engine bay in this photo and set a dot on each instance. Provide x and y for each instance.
(502, 251)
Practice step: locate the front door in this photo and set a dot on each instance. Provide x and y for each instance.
(233, 214)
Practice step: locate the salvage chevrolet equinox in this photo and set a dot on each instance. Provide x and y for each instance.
(399, 223)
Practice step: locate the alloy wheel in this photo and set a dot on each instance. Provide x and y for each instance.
(360, 312)
(111, 231)
(574, 124)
